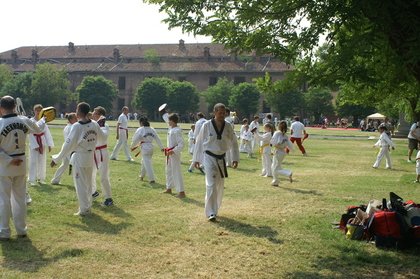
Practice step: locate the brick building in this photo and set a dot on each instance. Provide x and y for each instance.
(128, 65)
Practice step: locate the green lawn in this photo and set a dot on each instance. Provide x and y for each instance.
(262, 231)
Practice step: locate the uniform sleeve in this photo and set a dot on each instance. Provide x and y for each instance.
(199, 141)
(68, 146)
(234, 146)
(157, 139)
(165, 118)
(388, 141)
(48, 137)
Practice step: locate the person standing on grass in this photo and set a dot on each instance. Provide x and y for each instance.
(297, 132)
(215, 139)
(265, 149)
(101, 158)
(175, 144)
(418, 165)
(413, 139)
(39, 143)
(255, 125)
(143, 139)
(13, 132)
(122, 136)
(198, 124)
(280, 141)
(384, 142)
(82, 140)
(71, 118)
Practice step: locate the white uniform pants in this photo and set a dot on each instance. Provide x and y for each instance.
(266, 162)
(82, 177)
(61, 169)
(12, 204)
(173, 173)
(37, 165)
(383, 152)
(102, 158)
(121, 142)
(276, 168)
(214, 185)
(146, 164)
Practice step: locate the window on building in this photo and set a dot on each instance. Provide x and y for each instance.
(121, 103)
(182, 78)
(212, 80)
(238, 80)
(121, 83)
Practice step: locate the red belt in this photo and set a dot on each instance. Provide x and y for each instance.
(38, 138)
(94, 155)
(166, 150)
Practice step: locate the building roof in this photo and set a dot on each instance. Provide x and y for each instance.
(137, 58)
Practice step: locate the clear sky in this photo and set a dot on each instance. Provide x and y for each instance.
(84, 22)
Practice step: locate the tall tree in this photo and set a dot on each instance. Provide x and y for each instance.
(244, 99)
(182, 97)
(318, 103)
(20, 86)
(218, 93)
(6, 75)
(49, 85)
(151, 93)
(97, 91)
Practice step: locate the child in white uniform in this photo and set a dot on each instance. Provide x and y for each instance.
(241, 130)
(191, 142)
(82, 140)
(384, 142)
(13, 132)
(280, 141)
(265, 149)
(101, 158)
(71, 118)
(246, 141)
(143, 139)
(39, 143)
(175, 144)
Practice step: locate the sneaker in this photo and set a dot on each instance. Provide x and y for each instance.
(181, 195)
(108, 202)
(28, 198)
(152, 182)
(22, 236)
(212, 218)
(42, 182)
(190, 170)
(416, 181)
(409, 161)
(32, 184)
(95, 194)
(82, 214)
(130, 160)
(167, 191)
(55, 182)
(113, 159)
(274, 183)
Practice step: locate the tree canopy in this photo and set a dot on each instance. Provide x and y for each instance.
(244, 99)
(218, 93)
(97, 91)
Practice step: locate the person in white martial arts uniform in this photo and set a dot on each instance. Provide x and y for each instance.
(39, 143)
(122, 136)
(13, 132)
(101, 158)
(175, 144)
(198, 124)
(265, 148)
(215, 139)
(418, 165)
(384, 143)
(82, 142)
(191, 142)
(71, 118)
(143, 139)
(280, 141)
(241, 130)
(246, 141)
(229, 119)
(255, 124)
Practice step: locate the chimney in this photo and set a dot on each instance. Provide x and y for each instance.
(207, 53)
(116, 55)
(71, 47)
(14, 56)
(35, 56)
(181, 44)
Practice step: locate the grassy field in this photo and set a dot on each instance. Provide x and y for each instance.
(262, 231)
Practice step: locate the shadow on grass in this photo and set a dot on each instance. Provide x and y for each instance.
(300, 191)
(249, 230)
(193, 201)
(46, 188)
(356, 262)
(114, 210)
(22, 255)
(97, 224)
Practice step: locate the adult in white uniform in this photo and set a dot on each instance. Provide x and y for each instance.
(175, 144)
(39, 143)
(82, 140)
(71, 118)
(215, 139)
(143, 138)
(101, 158)
(13, 132)
(122, 136)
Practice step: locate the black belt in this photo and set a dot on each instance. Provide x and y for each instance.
(15, 155)
(223, 173)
